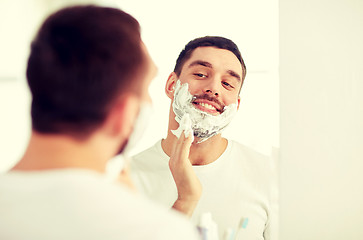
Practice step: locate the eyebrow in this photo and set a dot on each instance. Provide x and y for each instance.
(202, 63)
(234, 74)
(209, 65)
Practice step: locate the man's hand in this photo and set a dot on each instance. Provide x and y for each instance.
(187, 182)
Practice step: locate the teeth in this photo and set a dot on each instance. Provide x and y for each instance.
(208, 106)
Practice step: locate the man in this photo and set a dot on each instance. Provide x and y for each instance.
(208, 174)
(88, 73)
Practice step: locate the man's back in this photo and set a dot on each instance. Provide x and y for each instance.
(81, 204)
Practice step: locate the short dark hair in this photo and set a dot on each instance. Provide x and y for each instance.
(208, 41)
(81, 60)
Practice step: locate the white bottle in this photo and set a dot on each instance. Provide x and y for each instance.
(208, 229)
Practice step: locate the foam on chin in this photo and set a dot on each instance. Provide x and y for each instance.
(204, 125)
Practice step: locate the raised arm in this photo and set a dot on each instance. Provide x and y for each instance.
(188, 185)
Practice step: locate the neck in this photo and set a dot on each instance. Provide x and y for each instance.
(200, 153)
(55, 151)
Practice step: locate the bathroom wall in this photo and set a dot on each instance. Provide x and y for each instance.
(321, 119)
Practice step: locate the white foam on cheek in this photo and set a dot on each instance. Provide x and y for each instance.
(203, 124)
(186, 126)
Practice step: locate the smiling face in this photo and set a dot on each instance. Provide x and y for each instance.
(207, 89)
(214, 76)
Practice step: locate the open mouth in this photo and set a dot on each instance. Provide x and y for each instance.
(207, 106)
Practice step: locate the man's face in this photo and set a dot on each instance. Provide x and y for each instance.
(214, 76)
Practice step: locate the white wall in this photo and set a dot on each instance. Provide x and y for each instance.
(18, 23)
(321, 113)
(166, 27)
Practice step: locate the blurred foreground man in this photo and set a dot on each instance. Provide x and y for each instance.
(88, 73)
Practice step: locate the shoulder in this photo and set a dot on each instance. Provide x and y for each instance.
(152, 158)
(87, 201)
(252, 161)
(153, 152)
(248, 153)
(156, 221)
(150, 151)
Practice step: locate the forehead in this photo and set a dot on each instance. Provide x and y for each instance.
(220, 59)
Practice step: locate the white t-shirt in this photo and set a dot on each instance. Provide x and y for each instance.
(236, 186)
(81, 204)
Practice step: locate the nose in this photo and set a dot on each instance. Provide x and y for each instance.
(211, 92)
(212, 87)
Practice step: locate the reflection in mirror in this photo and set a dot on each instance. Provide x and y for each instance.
(224, 186)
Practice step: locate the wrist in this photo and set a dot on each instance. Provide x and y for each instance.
(186, 206)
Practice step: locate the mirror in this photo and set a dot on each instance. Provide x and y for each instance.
(302, 91)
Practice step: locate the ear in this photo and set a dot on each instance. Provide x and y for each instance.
(170, 85)
(122, 116)
(238, 102)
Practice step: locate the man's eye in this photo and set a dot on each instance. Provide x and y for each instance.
(201, 75)
(226, 84)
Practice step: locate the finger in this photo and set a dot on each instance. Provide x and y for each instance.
(178, 144)
(182, 147)
(188, 134)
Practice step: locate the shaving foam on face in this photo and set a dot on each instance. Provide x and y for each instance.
(186, 126)
(203, 124)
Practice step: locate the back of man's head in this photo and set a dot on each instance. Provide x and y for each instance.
(81, 60)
